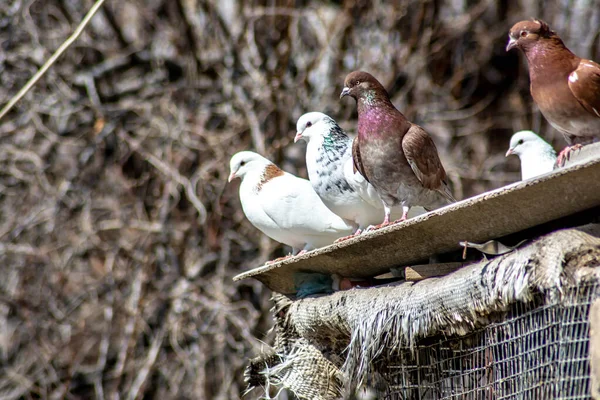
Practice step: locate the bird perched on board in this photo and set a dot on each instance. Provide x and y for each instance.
(283, 206)
(537, 156)
(565, 87)
(331, 171)
(396, 156)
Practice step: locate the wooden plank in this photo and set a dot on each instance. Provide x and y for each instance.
(490, 215)
(416, 273)
(594, 348)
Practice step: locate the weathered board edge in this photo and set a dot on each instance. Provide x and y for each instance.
(580, 184)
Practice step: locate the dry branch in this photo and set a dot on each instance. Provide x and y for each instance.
(52, 59)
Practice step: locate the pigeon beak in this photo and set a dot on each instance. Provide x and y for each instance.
(298, 137)
(510, 152)
(345, 92)
(512, 42)
(231, 177)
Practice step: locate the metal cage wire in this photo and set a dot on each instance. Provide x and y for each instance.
(535, 351)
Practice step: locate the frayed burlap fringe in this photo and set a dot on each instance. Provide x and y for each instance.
(294, 364)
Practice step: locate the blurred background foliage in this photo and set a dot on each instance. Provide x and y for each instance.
(119, 235)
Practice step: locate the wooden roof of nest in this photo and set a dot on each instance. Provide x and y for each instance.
(490, 215)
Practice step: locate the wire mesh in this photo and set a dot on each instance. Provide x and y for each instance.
(533, 351)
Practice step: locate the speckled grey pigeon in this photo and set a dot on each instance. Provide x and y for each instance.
(331, 171)
(396, 156)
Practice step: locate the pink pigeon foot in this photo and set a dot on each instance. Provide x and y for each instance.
(565, 154)
(278, 259)
(382, 225)
(399, 220)
(343, 238)
(355, 234)
(386, 222)
(404, 215)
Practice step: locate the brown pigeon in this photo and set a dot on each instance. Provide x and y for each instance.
(396, 156)
(565, 87)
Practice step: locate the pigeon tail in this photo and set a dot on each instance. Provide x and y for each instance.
(445, 191)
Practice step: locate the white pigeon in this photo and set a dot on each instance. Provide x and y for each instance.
(283, 206)
(536, 155)
(332, 174)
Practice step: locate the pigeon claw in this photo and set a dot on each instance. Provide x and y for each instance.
(404, 216)
(344, 238)
(565, 154)
(278, 259)
(382, 225)
(400, 220)
(355, 234)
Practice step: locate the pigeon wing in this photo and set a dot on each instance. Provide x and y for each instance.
(422, 156)
(293, 205)
(356, 159)
(360, 185)
(584, 83)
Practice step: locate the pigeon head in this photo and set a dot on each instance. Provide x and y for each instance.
(524, 142)
(526, 34)
(361, 85)
(246, 162)
(311, 125)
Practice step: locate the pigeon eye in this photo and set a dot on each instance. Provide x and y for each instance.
(308, 124)
(520, 141)
(523, 33)
(242, 163)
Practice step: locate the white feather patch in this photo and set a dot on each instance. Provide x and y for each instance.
(573, 77)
